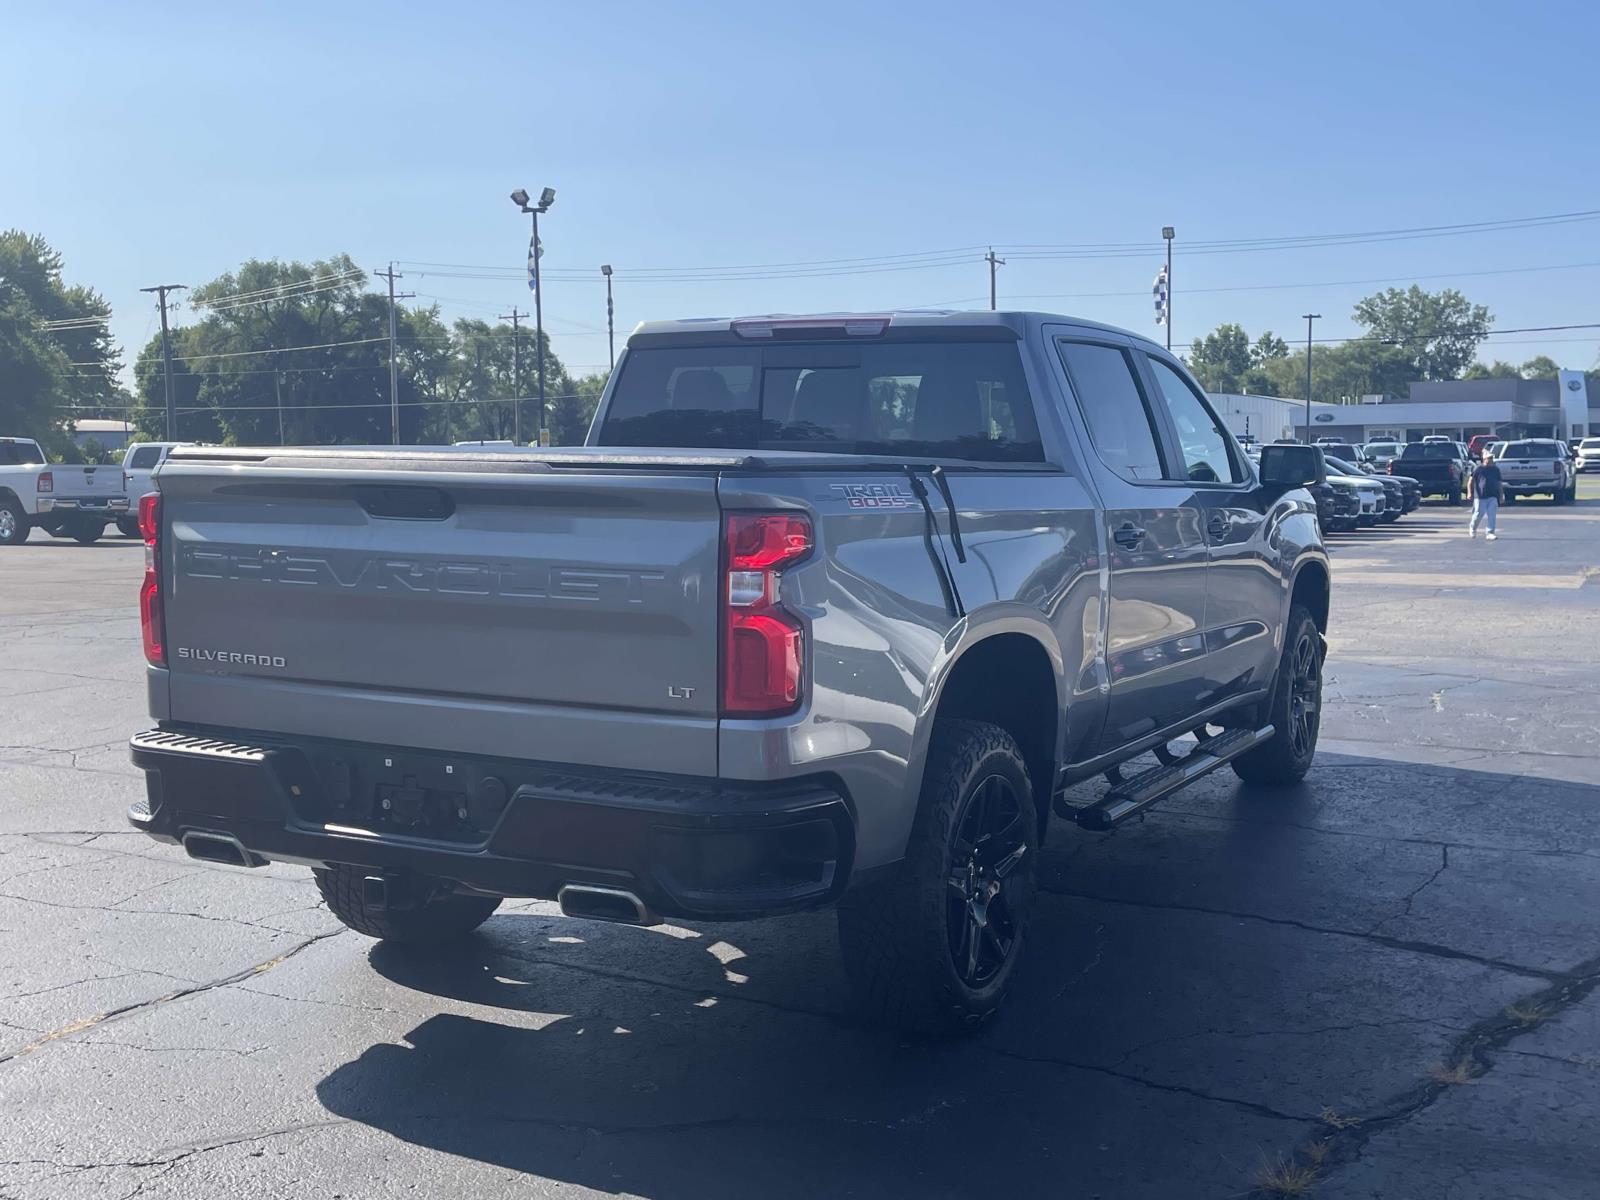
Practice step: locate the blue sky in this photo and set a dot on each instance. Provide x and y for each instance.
(169, 145)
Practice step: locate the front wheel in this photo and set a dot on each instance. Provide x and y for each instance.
(933, 949)
(128, 527)
(1294, 709)
(1455, 496)
(436, 919)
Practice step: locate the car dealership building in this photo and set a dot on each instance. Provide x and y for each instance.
(1456, 408)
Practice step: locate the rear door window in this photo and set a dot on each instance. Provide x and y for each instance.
(1114, 409)
(945, 399)
(144, 458)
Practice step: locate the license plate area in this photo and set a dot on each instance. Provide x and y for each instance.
(433, 796)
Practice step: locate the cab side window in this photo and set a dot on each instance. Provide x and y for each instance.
(1207, 455)
(1114, 409)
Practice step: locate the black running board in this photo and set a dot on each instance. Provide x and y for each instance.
(1134, 795)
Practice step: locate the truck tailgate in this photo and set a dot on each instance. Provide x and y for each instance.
(78, 481)
(566, 616)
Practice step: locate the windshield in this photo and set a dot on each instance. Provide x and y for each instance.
(1589, 444)
(1343, 466)
(1526, 450)
(946, 399)
(1430, 450)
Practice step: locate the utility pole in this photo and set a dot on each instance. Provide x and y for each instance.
(277, 387)
(611, 329)
(1310, 317)
(161, 290)
(1167, 233)
(394, 373)
(993, 263)
(516, 371)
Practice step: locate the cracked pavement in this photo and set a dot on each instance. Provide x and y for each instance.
(1392, 971)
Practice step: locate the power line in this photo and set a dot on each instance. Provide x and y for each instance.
(924, 260)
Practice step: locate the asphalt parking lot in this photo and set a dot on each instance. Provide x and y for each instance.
(1383, 983)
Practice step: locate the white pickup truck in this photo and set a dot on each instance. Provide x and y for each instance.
(139, 465)
(62, 499)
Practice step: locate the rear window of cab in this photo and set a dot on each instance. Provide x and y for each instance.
(939, 399)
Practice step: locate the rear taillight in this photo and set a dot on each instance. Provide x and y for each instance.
(47, 481)
(762, 653)
(151, 618)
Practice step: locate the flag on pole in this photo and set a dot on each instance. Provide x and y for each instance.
(1159, 291)
(535, 252)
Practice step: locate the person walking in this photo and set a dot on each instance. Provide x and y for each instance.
(1485, 488)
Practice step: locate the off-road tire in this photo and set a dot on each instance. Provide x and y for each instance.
(439, 920)
(1277, 761)
(128, 527)
(1455, 496)
(14, 532)
(894, 934)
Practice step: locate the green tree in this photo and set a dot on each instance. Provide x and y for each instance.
(1439, 332)
(33, 368)
(1495, 370)
(1541, 367)
(1222, 359)
(57, 360)
(572, 413)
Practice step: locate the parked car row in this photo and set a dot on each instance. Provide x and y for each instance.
(1355, 494)
(68, 500)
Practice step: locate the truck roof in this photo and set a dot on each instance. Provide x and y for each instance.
(1017, 321)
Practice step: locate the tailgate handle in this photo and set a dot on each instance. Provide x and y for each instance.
(406, 503)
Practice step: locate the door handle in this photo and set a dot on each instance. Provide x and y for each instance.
(1217, 527)
(1128, 536)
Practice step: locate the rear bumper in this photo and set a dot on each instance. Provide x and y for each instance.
(689, 848)
(1534, 487)
(109, 507)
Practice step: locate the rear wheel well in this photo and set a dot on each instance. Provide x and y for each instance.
(1311, 591)
(1007, 680)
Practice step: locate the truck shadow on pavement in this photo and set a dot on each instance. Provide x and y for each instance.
(1228, 971)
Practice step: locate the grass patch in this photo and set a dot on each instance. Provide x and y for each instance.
(1334, 1121)
(1524, 1014)
(1460, 1073)
(1282, 1176)
(1316, 1152)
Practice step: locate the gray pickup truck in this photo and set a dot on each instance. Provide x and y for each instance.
(829, 610)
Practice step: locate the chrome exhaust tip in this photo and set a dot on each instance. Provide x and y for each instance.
(604, 904)
(219, 848)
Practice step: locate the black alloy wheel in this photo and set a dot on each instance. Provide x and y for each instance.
(988, 842)
(1305, 694)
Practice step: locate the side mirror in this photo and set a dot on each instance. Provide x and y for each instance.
(1286, 467)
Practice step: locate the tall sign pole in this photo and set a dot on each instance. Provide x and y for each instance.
(1310, 317)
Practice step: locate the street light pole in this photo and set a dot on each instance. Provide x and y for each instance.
(1310, 317)
(1167, 234)
(538, 325)
(547, 197)
(611, 330)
